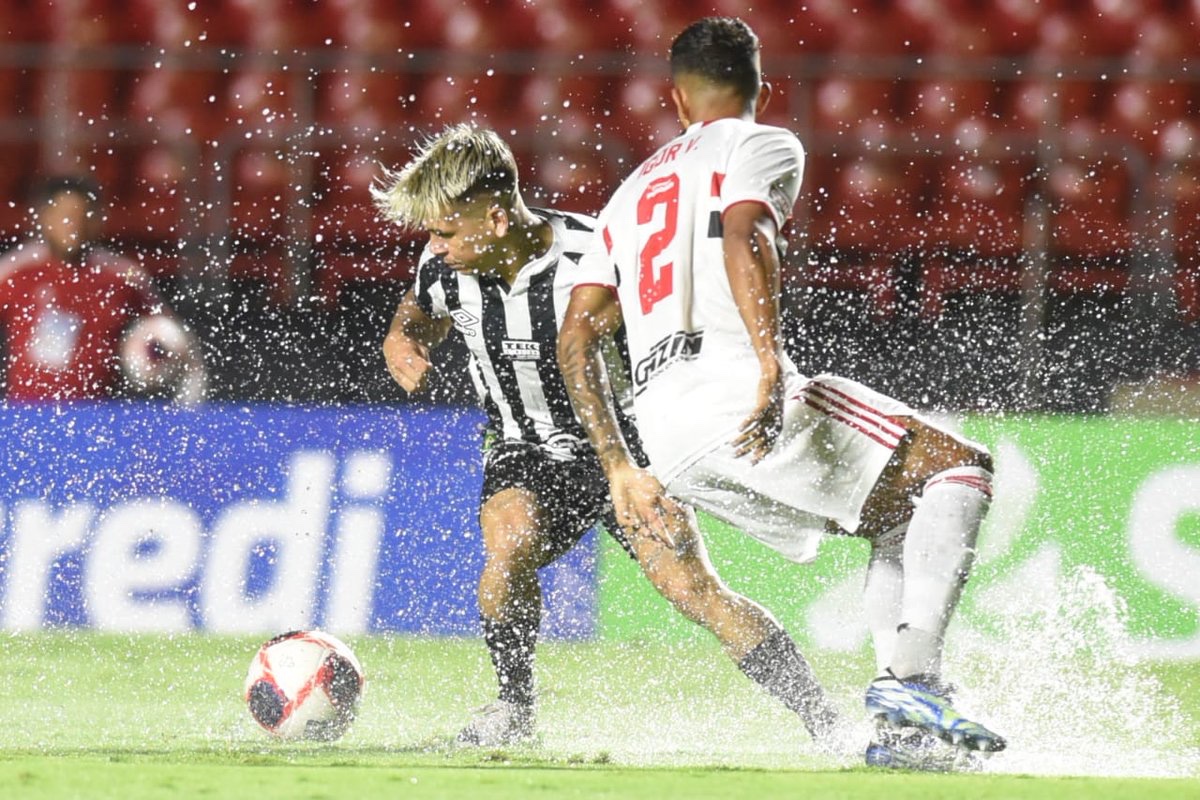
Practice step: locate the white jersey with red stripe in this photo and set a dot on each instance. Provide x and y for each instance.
(695, 372)
(694, 369)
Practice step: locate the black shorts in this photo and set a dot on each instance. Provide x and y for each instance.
(573, 493)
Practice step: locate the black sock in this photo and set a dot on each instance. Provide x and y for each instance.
(777, 666)
(511, 645)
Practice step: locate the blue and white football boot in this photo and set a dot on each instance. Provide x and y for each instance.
(921, 703)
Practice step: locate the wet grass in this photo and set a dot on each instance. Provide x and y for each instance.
(89, 715)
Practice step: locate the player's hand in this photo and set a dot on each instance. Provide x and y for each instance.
(643, 507)
(408, 362)
(759, 431)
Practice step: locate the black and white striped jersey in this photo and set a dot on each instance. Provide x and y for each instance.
(511, 333)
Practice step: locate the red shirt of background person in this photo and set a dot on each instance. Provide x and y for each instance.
(72, 312)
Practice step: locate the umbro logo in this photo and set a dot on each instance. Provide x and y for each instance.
(466, 322)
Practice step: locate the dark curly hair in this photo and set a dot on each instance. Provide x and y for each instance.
(722, 50)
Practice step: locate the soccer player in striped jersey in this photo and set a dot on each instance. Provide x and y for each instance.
(689, 261)
(500, 273)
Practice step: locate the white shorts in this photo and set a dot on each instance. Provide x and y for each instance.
(837, 437)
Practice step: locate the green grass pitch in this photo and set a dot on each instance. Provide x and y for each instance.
(90, 715)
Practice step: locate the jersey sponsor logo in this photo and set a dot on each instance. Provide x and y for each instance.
(521, 349)
(466, 322)
(678, 346)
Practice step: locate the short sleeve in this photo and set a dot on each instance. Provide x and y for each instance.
(428, 289)
(765, 167)
(596, 267)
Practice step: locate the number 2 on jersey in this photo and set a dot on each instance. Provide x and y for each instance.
(654, 286)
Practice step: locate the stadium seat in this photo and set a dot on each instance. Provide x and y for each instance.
(351, 242)
(1114, 24)
(258, 220)
(1037, 103)
(975, 230)
(1090, 230)
(645, 25)
(1162, 40)
(869, 224)
(1142, 108)
(936, 107)
(648, 116)
(260, 103)
(178, 103)
(464, 95)
(843, 104)
(359, 96)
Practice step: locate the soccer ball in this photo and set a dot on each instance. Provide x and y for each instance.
(304, 685)
(152, 353)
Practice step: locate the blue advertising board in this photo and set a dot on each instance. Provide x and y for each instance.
(146, 517)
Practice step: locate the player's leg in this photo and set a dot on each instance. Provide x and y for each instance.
(937, 490)
(519, 537)
(748, 633)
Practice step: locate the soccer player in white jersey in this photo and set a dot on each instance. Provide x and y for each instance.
(690, 261)
(500, 273)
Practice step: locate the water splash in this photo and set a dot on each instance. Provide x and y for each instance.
(1056, 679)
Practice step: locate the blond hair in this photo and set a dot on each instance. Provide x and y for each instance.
(457, 165)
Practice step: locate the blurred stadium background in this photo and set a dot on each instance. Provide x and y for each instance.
(1001, 208)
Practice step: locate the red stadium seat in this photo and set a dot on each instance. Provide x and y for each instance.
(1114, 24)
(260, 103)
(344, 213)
(844, 104)
(178, 103)
(1013, 25)
(1091, 237)
(870, 221)
(1163, 40)
(938, 106)
(975, 230)
(648, 117)
(453, 96)
(152, 205)
(363, 97)
(1141, 109)
(259, 194)
(353, 244)
(1038, 103)
(1090, 208)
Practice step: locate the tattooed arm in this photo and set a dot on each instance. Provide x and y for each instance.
(639, 500)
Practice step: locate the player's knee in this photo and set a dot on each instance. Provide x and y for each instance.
(692, 591)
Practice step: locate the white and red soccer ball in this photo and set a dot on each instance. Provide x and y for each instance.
(304, 685)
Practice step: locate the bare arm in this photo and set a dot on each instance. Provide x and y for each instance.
(752, 265)
(639, 500)
(411, 336)
(592, 314)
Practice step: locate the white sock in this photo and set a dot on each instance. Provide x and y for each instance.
(938, 553)
(883, 592)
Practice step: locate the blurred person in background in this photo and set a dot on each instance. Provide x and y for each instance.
(79, 322)
(499, 272)
(688, 262)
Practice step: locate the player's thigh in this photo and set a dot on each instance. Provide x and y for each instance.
(926, 451)
(536, 503)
